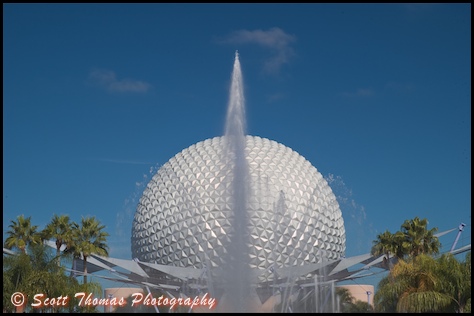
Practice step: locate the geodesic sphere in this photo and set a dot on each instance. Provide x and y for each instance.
(184, 215)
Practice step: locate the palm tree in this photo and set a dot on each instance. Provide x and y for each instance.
(388, 244)
(21, 234)
(397, 294)
(424, 284)
(421, 291)
(383, 245)
(60, 228)
(455, 277)
(37, 272)
(418, 238)
(413, 284)
(412, 240)
(88, 238)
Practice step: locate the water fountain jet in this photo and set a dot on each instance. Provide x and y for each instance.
(236, 270)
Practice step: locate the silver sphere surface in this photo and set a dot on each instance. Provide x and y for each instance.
(183, 216)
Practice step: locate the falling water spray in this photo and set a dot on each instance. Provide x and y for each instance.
(236, 270)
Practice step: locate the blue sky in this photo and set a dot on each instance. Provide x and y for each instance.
(376, 96)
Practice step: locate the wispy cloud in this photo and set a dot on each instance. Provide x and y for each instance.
(275, 97)
(390, 87)
(275, 39)
(108, 80)
(418, 7)
(362, 92)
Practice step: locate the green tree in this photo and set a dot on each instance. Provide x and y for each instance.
(37, 272)
(455, 279)
(384, 245)
(413, 283)
(59, 229)
(88, 238)
(21, 234)
(421, 290)
(16, 272)
(359, 307)
(425, 284)
(345, 299)
(386, 296)
(418, 238)
(412, 240)
(46, 277)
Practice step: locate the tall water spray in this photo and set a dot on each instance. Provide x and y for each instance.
(236, 270)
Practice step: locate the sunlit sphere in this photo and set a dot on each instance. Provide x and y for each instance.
(183, 216)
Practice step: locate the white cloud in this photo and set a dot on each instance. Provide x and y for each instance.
(275, 39)
(108, 80)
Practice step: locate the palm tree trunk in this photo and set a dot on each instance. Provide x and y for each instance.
(58, 251)
(85, 269)
(58, 254)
